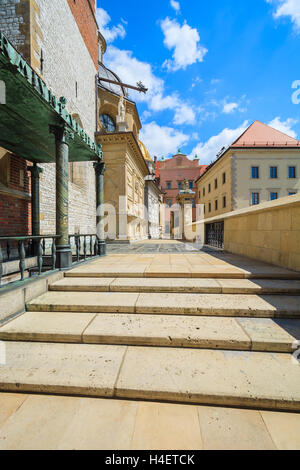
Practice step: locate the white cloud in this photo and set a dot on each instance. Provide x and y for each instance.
(207, 151)
(131, 70)
(288, 8)
(185, 42)
(112, 33)
(162, 140)
(230, 107)
(184, 115)
(284, 126)
(175, 5)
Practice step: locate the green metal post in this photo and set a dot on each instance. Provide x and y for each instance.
(35, 202)
(63, 248)
(100, 170)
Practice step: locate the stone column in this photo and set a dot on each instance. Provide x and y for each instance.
(100, 170)
(35, 203)
(64, 253)
(35, 198)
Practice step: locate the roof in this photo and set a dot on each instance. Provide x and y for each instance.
(145, 152)
(104, 72)
(258, 135)
(30, 108)
(261, 135)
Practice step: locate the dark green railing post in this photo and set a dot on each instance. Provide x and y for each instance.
(63, 247)
(21, 249)
(100, 170)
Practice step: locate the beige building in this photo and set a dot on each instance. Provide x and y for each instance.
(262, 165)
(124, 157)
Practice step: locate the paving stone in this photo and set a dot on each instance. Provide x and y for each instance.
(259, 286)
(84, 302)
(82, 284)
(231, 429)
(165, 285)
(61, 368)
(9, 404)
(166, 426)
(284, 429)
(175, 331)
(223, 304)
(47, 326)
(271, 335)
(226, 378)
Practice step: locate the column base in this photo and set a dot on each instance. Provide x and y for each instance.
(101, 247)
(63, 257)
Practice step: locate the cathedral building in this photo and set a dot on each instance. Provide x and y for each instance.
(128, 163)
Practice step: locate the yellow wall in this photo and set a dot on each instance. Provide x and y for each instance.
(269, 232)
(216, 172)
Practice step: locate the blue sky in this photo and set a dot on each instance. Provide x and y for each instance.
(212, 68)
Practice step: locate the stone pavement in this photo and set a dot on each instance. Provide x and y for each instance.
(194, 329)
(42, 422)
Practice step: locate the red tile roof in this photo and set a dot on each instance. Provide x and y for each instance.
(261, 135)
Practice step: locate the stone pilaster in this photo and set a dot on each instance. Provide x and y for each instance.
(35, 198)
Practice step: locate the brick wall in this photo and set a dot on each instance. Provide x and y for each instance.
(84, 12)
(15, 212)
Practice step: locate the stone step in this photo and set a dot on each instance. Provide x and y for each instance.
(256, 334)
(227, 378)
(176, 285)
(238, 305)
(95, 270)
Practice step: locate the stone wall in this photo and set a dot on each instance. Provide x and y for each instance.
(270, 232)
(49, 31)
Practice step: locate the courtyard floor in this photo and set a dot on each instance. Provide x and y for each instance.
(34, 421)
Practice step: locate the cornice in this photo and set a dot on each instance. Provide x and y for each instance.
(129, 139)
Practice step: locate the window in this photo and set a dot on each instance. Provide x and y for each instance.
(254, 199)
(169, 202)
(273, 172)
(204, 209)
(203, 191)
(292, 193)
(209, 207)
(216, 205)
(169, 184)
(216, 183)
(191, 184)
(209, 188)
(292, 172)
(107, 122)
(273, 196)
(255, 172)
(179, 184)
(224, 178)
(224, 202)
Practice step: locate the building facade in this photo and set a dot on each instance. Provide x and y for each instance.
(172, 175)
(59, 39)
(124, 155)
(263, 164)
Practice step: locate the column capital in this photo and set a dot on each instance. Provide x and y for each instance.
(100, 168)
(35, 170)
(62, 133)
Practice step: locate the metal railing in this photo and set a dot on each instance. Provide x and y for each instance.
(214, 234)
(86, 246)
(43, 248)
(26, 247)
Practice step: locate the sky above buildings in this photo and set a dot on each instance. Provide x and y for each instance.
(212, 68)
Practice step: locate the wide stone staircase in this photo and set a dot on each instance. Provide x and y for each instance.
(216, 337)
